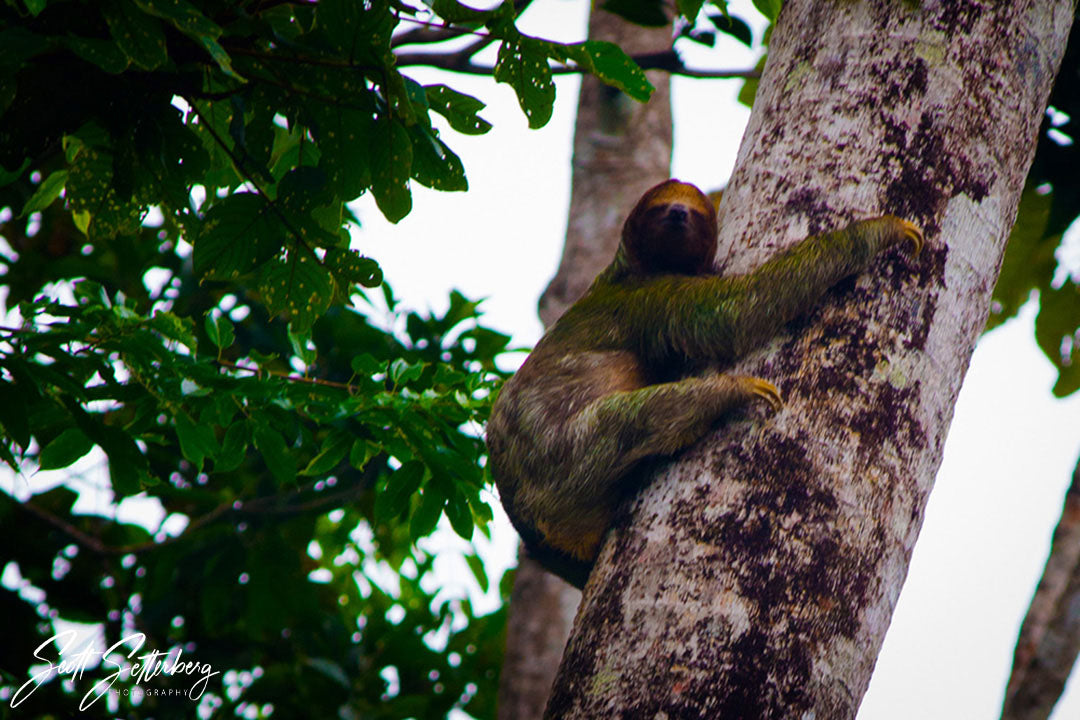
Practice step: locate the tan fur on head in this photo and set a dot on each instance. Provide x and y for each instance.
(672, 229)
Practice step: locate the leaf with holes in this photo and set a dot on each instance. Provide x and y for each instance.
(359, 30)
(524, 66)
(459, 109)
(614, 67)
(137, 34)
(186, 18)
(298, 287)
(349, 267)
(434, 164)
(238, 234)
(391, 156)
(346, 152)
(103, 53)
(90, 190)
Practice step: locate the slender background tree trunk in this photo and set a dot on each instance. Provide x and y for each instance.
(756, 576)
(621, 148)
(1050, 636)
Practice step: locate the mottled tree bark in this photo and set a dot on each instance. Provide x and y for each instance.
(756, 576)
(621, 148)
(1050, 636)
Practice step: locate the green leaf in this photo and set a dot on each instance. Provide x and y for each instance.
(454, 12)
(137, 34)
(297, 286)
(457, 511)
(524, 66)
(1056, 328)
(91, 190)
(197, 441)
(302, 189)
(239, 233)
(649, 13)
(748, 91)
(402, 371)
(360, 32)
(723, 6)
(14, 411)
(1068, 380)
(426, 516)
(366, 366)
(127, 464)
(220, 330)
(103, 53)
(1029, 256)
(186, 18)
(735, 27)
(614, 67)
(46, 193)
(350, 267)
(10, 176)
(65, 449)
(343, 136)
(434, 164)
(489, 343)
(361, 452)
(332, 452)
(275, 453)
(391, 155)
(89, 181)
(769, 8)
(300, 340)
(479, 572)
(689, 9)
(35, 6)
(174, 327)
(400, 487)
(331, 670)
(233, 448)
(459, 109)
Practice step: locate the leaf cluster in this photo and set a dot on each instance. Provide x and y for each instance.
(173, 178)
(278, 113)
(378, 436)
(1049, 206)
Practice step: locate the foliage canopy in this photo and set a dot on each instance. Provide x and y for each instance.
(179, 287)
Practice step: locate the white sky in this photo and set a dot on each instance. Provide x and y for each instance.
(1010, 451)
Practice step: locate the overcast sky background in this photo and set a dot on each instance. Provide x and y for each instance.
(1010, 451)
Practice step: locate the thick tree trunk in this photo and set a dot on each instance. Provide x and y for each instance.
(756, 576)
(621, 148)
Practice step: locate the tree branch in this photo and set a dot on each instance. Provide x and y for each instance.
(460, 61)
(264, 505)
